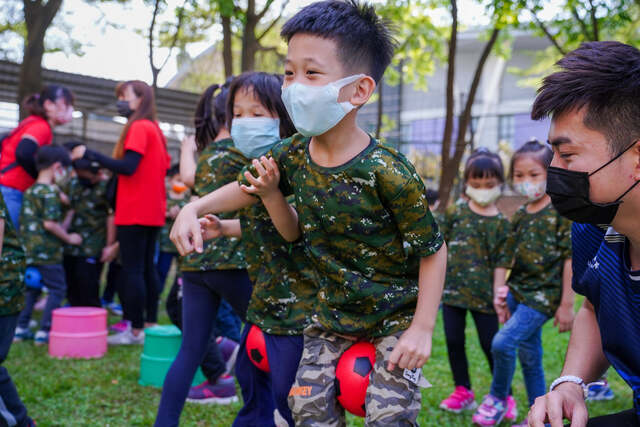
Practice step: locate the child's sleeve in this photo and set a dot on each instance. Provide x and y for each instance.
(563, 236)
(51, 207)
(505, 259)
(404, 195)
(498, 245)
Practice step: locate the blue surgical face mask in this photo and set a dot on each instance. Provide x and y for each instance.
(254, 136)
(315, 109)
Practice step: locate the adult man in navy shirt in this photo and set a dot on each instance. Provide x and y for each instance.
(594, 103)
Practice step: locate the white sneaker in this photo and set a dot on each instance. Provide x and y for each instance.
(126, 338)
(33, 324)
(42, 338)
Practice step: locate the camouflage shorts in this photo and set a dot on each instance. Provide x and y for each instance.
(391, 400)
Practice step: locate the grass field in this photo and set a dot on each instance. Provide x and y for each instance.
(105, 392)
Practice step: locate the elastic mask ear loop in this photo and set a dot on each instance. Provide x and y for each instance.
(614, 159)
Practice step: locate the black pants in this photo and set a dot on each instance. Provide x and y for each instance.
(139, 292)
(454, 326)
(12, 410)
(621, 419)
(83, 280)
(114, 276)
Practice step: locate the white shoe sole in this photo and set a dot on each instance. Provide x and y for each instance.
(231, 363)
(469, 407)
(215, 400)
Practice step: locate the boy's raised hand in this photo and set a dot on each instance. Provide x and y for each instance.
(211, 227)
(267, 181)
(412, 350)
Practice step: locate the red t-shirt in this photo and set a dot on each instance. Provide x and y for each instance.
(34, 126)
(141, 198)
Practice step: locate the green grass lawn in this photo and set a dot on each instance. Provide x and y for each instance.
(105, 392)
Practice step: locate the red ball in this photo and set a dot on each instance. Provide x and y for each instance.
(352, 376)
(257, 349)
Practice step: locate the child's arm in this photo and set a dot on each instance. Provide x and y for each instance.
(414, 346)
(500, 291)
(58, 230)
(283, 215)
(213, 227)
(564, 315)
(66, 223)
(1, 234)
(188, 164)
(186, 233)
(110, 251)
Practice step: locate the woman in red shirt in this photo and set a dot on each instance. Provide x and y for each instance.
(50, 108)
(141, 161)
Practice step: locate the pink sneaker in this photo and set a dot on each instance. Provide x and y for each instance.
(512, 409)
(491, 412)
(121, 326)
(460, 400)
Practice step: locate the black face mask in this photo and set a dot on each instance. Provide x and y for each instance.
(124, 109)
(569, 192)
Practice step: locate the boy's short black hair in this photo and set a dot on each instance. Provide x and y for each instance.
(363, 38)
(603, 77)
(173, 170)
(534, 148)
(483, 163)
(49, 154)
(267, 88)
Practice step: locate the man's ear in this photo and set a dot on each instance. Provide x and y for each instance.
(364, 88)
(636, 161)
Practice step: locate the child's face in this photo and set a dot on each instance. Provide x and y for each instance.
(247, 105)
(88, 175)
(175, 181)
(484, 183)
(528, 169)
(314, 61)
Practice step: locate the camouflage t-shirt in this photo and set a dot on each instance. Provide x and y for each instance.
(92, 209)
(365, 225)
(41, 202)
(284, 284)
(475, 246)
(12, 267)
(540, 243)
(218, 165)
(166, 245)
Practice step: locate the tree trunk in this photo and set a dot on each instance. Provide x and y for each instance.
(249, 42)
(445, 174)
(451, 167)
(227, 52)
(38, 18)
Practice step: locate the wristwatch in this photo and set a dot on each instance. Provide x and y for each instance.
(575, 380)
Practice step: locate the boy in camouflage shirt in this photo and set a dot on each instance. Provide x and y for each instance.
(12, 267)
(93, 220)
(44, 236)
(361, 210)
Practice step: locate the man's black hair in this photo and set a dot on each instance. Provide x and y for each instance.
(50, 154)
(173, 170)
(363, 39)
(604, 78)
(268, 89)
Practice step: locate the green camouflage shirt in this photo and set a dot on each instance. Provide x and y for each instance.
(365, 225)
(12, 267)
(284, 285)
(218, 165)
(91, 209)
(540, 243)
(476, 246)
(166, 245)
(41, 202)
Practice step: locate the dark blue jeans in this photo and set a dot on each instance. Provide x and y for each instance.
(228, 324)
(263, 392)
(163, 265)
(201, 294)
(53, 277)
(12, 410)
(13, 199)
(521, 333)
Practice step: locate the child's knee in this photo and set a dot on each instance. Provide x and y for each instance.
(502, 345)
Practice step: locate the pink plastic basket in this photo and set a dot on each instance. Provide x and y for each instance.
(78, 333)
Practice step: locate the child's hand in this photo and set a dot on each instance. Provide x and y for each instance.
(500, 304)
(64, 198)
(564, 318)
(109, 253)
(412, 351)
(267, 182)
(211, 227)
(78, 152)
(75, 239)
(174, 211)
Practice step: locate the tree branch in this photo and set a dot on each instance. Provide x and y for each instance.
(264, 11)
(583, 25)
(546, 31)
(448, 124)
(174, 41)
(274, 22)
(594, 21)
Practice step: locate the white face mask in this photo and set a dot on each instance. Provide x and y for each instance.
(254, 136)
(532, 191)
(315, 109)
(483, 196)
